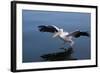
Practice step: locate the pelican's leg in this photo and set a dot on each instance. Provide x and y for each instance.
(71, 43)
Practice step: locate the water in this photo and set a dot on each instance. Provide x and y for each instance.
(36, 43)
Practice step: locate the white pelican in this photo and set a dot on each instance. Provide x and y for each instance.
(67, 37)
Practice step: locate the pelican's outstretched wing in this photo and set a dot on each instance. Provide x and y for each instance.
(48, 28)
(78, 33)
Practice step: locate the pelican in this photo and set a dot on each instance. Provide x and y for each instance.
(67, 37)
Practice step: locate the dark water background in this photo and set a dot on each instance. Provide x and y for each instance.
(36, 43)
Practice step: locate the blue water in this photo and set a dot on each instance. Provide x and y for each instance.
(36, 43)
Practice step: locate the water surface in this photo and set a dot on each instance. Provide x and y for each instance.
(36, 43)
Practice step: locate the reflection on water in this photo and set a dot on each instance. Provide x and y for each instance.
(66, 54)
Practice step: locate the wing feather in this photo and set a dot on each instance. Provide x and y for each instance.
(78, 33)
(48, 28)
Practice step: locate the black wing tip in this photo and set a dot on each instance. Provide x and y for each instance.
(86, 33)
(40, 27)
(79, 33)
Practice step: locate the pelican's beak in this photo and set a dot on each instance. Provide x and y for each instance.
(55, 35)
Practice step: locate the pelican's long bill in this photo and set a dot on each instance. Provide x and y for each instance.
(56, 34)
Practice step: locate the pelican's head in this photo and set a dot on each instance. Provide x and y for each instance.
(60, 30)
(58, 33)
